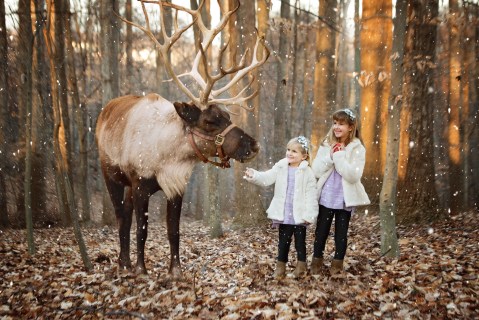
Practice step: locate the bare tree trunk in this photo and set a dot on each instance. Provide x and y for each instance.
(25, 59)
(61, 65)
(190, 199)
(343, 65)
(215, 219)
(199, 195)
(42, 123)
(474, 109)
(266, 129)
(418, 197)
(388, 197)
(376, 36)
(109, 43)
(82, 170)
(308, 92)
(300, 103)
(280, 100)
(441, 115)
(293, 129)
(4, 222)
(214, 209)
(357, 55)
(251, 212)
(3, 115)
(469, 97)
(303, 77)
(476, 129)
(56, 9)
(86, 45)
(161, 74)
(324, 72)
(129, 44)
(211, 205)
(230, 36)
(455, 105)
(51, 39)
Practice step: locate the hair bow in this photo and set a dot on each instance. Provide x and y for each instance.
(350, 114)
(304, 142)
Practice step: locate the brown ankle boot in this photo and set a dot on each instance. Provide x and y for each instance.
(280, 271)
(336, 266)
(316, 265)
(300, 270)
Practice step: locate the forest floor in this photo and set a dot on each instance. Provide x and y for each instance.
(436, 276)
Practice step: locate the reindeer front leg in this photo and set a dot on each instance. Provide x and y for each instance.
(142, 188)
(173, 225)
(141, 207)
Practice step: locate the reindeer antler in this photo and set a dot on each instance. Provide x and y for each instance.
(206, 83)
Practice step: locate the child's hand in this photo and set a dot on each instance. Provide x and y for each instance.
(337, 147)
(248, 174)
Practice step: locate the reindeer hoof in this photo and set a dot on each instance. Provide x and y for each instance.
(175, 274)
(141, 270)
(124, 266)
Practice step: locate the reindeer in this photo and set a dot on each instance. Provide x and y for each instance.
(147, 144)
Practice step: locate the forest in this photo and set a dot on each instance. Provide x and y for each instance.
(409, 70)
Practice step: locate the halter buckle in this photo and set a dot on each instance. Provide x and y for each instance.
(219, 140)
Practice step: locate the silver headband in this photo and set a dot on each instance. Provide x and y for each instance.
(304, 142)
(350, 114)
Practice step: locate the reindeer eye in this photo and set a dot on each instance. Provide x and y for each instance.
(210, 121)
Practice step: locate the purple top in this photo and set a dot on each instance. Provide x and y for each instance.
(288, 202)
(332, 195)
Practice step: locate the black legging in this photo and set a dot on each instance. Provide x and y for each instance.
(286, 232)
(341, 225)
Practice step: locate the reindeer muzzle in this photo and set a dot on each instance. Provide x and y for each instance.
(218, 139)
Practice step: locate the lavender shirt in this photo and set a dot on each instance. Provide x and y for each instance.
(288, 203)
(332, 195)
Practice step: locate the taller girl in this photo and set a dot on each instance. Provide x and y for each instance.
(338, 165)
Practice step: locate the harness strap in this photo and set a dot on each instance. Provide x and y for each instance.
(218, 139)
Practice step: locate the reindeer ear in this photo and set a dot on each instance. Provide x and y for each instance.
(188, 112)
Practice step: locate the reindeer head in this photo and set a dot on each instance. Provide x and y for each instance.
(212, 122)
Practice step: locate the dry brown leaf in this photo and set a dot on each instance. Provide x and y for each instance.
(360, 82)
(382, 76)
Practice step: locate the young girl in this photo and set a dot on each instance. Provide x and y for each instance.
(294, 203)
(338, 166)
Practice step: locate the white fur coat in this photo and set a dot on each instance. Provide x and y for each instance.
(305, 202)
(349, 163)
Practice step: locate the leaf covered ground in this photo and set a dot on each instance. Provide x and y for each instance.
(231, 277)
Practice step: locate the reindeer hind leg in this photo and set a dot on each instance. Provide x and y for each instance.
(123, 212)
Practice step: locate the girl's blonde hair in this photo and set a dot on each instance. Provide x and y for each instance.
(344, 116)
(304, 144)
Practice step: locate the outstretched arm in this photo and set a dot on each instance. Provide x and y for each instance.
(263, 179)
